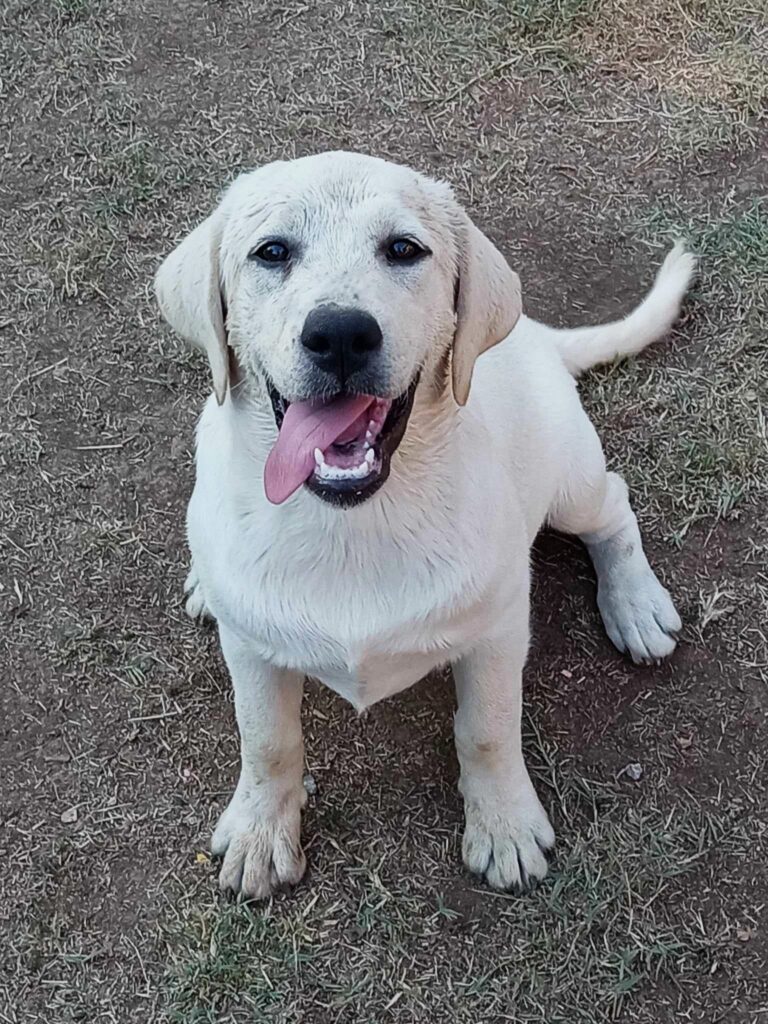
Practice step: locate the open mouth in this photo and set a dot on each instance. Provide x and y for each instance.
(341, 448)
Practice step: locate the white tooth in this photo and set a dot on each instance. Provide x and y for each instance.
(326, 472)
(368, 437)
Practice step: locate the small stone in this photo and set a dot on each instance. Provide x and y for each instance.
(634, 771)
(69, 817)
(309, 784)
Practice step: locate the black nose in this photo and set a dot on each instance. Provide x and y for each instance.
(341, 341)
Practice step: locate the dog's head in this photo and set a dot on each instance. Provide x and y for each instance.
(340, 282)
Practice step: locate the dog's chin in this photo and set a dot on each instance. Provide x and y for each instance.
(346, 488)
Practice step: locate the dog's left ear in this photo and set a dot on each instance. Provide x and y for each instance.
(488, 304)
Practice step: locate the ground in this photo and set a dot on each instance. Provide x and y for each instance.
(583, 135)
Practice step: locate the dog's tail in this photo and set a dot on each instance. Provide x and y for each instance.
(584, 347)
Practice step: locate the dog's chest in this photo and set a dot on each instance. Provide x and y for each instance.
(366, 630)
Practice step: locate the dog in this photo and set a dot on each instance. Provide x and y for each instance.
(386, 435)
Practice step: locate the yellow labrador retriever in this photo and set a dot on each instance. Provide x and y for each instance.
(368, 488)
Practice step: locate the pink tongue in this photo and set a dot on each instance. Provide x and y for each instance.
(306, 426)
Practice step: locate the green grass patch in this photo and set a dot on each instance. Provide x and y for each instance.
(688, 429)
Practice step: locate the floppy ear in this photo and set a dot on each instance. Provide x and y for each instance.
(188, 292)
(488, 304)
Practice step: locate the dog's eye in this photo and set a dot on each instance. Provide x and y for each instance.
(404, 250)
(271, 252)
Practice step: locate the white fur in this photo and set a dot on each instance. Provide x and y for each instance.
(433, 568)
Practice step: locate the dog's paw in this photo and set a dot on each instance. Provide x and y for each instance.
(261, 853)
(639, 615)
(508, 842)
(195, 606)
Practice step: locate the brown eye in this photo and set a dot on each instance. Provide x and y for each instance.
(271, 252)
(403, 250)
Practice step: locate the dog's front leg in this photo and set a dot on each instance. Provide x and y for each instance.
(258, 833)
(507, 833)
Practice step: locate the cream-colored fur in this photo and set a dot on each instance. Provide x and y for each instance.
(432, 569)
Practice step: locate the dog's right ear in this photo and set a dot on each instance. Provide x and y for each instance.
(189, 293)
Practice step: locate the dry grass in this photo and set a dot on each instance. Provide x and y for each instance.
(582, 134)
(619, 917)
(714, 51)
